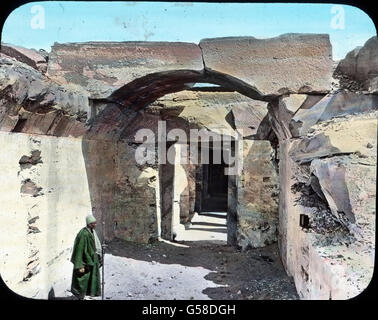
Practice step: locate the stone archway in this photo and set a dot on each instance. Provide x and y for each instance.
(118, 117)
(287, 64)
(88, 148)
(136, 95)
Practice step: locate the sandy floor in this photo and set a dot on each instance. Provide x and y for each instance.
(210, 227)
(200, 270)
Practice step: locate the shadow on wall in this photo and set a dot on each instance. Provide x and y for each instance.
(123, 194)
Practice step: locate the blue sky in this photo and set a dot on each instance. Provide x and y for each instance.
(186, 22)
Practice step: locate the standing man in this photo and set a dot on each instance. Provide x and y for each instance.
(86, 258)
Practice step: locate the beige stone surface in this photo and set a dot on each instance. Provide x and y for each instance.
(269, 65)
(125, 195)
(296, 63)
(213, 119)
(202, 98)
(257, 196)
(349, 135)
(215, 111)
(29, 56)
(361, 65)
(134, 206)
(324, 269)
(58, 211)
(293, 102)
(341, 104)
(282, 111)
(249, 118)
(102, 67)
(358, 132)
(44, 106)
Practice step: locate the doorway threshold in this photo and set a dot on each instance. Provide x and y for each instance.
(214, 214)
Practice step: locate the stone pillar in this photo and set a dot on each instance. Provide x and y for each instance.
(135, 208)
(166, 173)
(198, 188)
(232, 211)
(257, 196)
(185, 196)
(180, 184)
(283, 200)
(101, 162)
(191, 174)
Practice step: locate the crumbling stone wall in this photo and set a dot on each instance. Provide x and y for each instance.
(257, 196)
(333, 256)
(358, 70)
(31, 103)
(301, 62)
(125, 195)
(135, 208)
(44, 201)
(327, 151)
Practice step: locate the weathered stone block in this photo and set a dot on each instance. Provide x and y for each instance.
(331, 175)
(334, 105)
(337, 137)
(257, 196)
(37, 232)
(295, 63)
(248, 117)
(324, 267)
(102, 67)
(281, 112)
(28, 56)
(43, 106)
(135, 198)
(361, 65)
(215, 111)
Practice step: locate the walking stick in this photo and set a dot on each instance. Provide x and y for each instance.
(103, 258)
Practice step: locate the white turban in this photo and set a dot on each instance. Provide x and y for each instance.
(90, 219)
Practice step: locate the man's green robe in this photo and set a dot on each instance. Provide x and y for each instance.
(84, 256)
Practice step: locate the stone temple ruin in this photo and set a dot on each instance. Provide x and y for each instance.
(68, 123)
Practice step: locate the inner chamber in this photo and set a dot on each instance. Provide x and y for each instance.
(215, 185)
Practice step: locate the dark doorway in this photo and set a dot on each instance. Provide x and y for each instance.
(215, 186)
